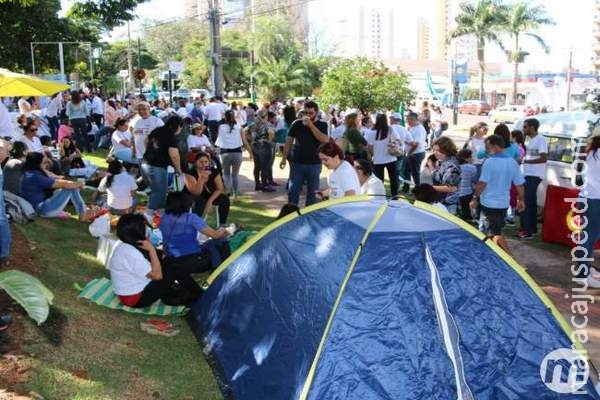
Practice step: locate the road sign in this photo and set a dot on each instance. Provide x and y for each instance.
(123, 73)
(176, 66)
(140, 74)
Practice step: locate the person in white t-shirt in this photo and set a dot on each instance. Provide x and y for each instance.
(30, 138)
(416, 150)
(343, 180)
(6, 127)
(137, 276)
(122, 141)
(120, 188)
(198, 141)
(406, 139)
(534, 170)
(476, 142)
(141, 127)
(380, 140)
(369, 183)
(214, 114)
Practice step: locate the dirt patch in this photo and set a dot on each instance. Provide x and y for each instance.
(14, 365)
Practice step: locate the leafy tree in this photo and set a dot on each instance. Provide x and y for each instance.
(522, 18)
(483, 20)
(365, 84)
(236, 70)
(273, 39)
(104, 14)
(167, 41)
(279, 79)
(35, 21)
(114, 59)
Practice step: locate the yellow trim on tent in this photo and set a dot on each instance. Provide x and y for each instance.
(276, 224)
(513, 264)
(313, 367)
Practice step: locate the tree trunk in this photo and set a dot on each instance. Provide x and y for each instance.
(481, 60)
(515, 60)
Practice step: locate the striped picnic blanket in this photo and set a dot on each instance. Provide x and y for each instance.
(100, 292)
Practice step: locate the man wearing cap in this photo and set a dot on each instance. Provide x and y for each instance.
(407, 139)
(141, 126)
(416, 149)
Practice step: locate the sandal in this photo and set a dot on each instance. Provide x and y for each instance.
(160, 323)
(153, 329)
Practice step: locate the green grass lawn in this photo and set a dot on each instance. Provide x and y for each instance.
(84, 351)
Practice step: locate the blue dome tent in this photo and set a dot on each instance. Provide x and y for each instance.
(371, 299)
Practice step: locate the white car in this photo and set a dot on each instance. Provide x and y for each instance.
(567, 132)
(507, 114)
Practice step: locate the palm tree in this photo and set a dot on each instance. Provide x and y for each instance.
(483, 20)
(520, 19)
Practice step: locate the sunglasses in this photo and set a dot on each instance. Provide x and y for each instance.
(33, 130)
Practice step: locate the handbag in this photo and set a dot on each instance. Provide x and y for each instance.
(394, 148)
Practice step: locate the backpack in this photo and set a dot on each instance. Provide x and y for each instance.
(18, 209)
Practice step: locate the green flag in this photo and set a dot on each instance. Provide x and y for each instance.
(429, 83)
(154, 91)
(401, 112)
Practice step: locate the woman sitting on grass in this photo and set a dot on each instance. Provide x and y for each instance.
(49, 196)
(69, 154)
(179, 228)
(205, 183)
(120, 188)
(138, 277)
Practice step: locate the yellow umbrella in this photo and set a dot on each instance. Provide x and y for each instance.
(13, 84)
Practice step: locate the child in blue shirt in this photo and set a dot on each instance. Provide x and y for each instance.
(468, 175)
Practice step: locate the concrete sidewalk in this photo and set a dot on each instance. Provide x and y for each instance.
(550, 269)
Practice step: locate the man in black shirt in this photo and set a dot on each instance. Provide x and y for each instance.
(306, 135)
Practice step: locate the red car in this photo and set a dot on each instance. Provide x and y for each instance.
(474, 107)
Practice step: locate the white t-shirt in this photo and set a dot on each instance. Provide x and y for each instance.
(476, 145)
(338, 131)
(343, 179)
(213, 112)
(419, 135)
(229, 139)
(197, 141)
(404, 135)
(380, 147)
(119, 192)
(6, 126)
(373, 186)
(128, 270)
(141, 129)
(535, 146)
(54, 106)
(117, 137)
(182, 112)
(34, 145)
(97, 106)
(593, 176)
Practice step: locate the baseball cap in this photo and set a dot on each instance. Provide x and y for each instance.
(412, 115)
(396, 115)
(143, 104)
(196, 126)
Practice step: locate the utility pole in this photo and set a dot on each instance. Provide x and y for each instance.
(130, 60)
(140, 63)
(215, 40)
(569, 79)
(252, 89)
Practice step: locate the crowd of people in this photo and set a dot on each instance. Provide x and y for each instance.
(188, 160)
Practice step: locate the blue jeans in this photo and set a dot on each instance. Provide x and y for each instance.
(80, 134)
(156, 177)
(414, 162)
(53, 125)
(299, 174)
(52, 206)
(5, 237)
(529, 216)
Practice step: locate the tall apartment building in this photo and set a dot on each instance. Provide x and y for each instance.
(442, 28)
(596, 33)
(422, 39)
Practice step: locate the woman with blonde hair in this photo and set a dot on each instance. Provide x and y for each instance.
(352, 141)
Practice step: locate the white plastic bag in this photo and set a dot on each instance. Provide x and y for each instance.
(100, 227)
